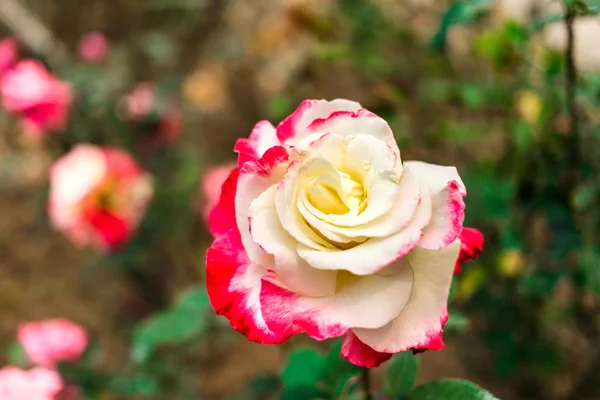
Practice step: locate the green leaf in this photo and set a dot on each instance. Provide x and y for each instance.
(338, 371)
(450, 389)
(302, 393)
(400, 375)
(16, 355)
(184, 321)
(304, 368)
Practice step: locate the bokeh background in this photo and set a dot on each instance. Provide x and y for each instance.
(485, 85)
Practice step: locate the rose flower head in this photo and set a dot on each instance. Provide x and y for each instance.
(41, 99)
(323, 229)
(93, 47)
(98, 196)
(49, 342)
(35, 384)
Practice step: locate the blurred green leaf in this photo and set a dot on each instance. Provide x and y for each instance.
(339, 372)
(302, 393)
(184, 321)
(400, 375)
(279, 106)
(16, 355)
(450, 389)
(304, 368)
(456, 322)
(459, 12)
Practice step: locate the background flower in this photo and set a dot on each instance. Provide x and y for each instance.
(93, 47)
(51, 341)
(34, 384)
(98, 196)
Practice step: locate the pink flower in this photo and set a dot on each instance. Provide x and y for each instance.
(323, 229)
(139, 103)
(34, 384)
(93, 47)
(42, 99)
(471, 245)
(98, 196)
(8, 53)
(48, 342)
(211, 183)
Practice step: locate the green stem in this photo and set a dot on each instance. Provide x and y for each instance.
(366, 383)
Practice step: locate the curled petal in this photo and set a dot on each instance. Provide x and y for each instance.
(471, 245)
(261, 139)
(419, 325)
(292, 129)
(360, 354)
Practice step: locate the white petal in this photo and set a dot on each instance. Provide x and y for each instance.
(419, 325)
(291, 270)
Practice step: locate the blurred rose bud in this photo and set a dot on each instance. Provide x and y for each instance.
(139, 103)
(8, 53)
(93, 47)
(211, 183)
(511, 262)
(48, 342)
(42, 100)
(34, 384)
(98, 196)
(471, 245)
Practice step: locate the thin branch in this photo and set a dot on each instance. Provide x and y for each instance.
(366, 383)
(31, 31)
(571, 83)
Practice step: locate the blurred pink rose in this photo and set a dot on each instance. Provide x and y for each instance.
(139, 103)
(48, 342)
(98, 196)
(212, 181)
(8, 53)
(34, 384)
(42, 99)
(93, 47)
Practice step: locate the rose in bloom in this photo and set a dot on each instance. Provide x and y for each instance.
(42, 100)
(471, 245)
(34, 384)
(8, 53)
(98, 196)
(211, 182)
(323, 229)
(139, 103)
(93, 47)
(49, 342)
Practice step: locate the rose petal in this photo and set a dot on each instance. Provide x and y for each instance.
(368, 301)
(360, 354)
(222, 217)
(234, 284)
(294, 272)
(471, 245)
(447, 191)
(292, 129)
(419, 325)
(262, 138)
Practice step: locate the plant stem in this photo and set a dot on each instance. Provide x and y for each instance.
(366, 383)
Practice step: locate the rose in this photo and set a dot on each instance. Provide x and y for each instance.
(8, 53)
(93, 47)
(49, 342)
(42, 100)
(98, 196)
(323, 229)
(35, 384)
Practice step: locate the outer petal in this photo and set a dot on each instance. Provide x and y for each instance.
(447, 191)
(292, 129)
(352, 122)
(419, 325)
(368, 302)
(256, 177)
(234, 284)
(262, 138)
(360, 354)
(222, 217)
(291, 270)
(471, 245)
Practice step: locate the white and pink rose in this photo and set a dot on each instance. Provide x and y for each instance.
(323, 229)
